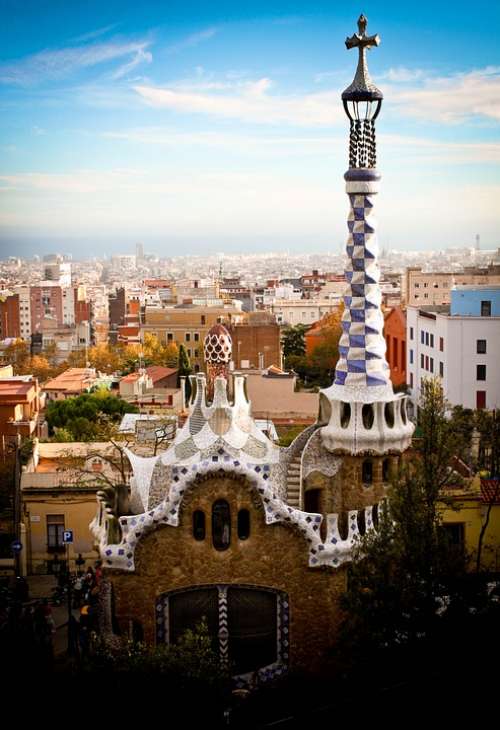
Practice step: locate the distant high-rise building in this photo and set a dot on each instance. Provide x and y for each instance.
(139, 251)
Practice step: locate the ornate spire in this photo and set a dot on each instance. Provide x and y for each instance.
(362, 410)
(362, 102)
(362, 87)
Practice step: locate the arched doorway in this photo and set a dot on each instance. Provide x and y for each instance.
(248, 625)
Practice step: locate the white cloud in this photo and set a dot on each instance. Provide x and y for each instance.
(51, 65)
(401, 74)
(249, 102)
(396, 147)
(94, 33)
(193, 40)
(450, 99)
(141, 56)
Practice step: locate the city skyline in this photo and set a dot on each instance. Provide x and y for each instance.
(197, 130)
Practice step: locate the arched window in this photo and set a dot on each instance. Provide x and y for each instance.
(368, 415)
(199, 525)
(221, 525)
(367, 472)
(345, 414)
(243, 524)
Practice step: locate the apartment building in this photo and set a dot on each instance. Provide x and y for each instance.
(433, 288)
(460, 343)
(304, 311)
(188, 324)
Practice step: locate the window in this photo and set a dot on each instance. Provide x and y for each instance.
(486, 309)
(170, 337)
(196, 337)
(481, 347)
(411, 357)
(427, 339)
(199, 529)
(441, 344)
(367, 472)
(422, 360)
(425, 285)
(55, 529)
(432, 340)
(441, 369)
(243, 524)
(411, 380)
(422, 337)
(189, 352)
(480, 399)
(427, 362)
(312, 501)
(203, 319)
(188, 337)
(221, 525)
(411, 333)
(417, 285)
(480, 372)
(386, 469)
(431, 363)
(196, 353)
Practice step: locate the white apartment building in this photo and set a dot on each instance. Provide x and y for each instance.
(305, 311)
(23, 290)
(460, 343)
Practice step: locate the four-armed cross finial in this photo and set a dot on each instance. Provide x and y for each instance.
(361, 40)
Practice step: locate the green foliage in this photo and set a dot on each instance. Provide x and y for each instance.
(405, 572)
(293, 341)
(88, 417)
(290, 435)
(192, 662)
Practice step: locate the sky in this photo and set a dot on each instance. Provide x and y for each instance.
(218, 127)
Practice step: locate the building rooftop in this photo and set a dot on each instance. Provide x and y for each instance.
(71, 380)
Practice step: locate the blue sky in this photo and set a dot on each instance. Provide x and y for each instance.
(200, 127)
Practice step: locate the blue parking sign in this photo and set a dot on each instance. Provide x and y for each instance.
(67, 537)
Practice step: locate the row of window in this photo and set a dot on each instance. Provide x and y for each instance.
(221, 525)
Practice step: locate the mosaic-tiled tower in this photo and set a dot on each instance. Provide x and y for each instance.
(363, 413)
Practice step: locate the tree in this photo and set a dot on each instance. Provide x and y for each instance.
(17, 354)
(404, 573)
(293, 342)
(489, 428)
(40, 368)
(184, 363)
(88, 417)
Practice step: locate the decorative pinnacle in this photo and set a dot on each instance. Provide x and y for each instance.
(362, 87)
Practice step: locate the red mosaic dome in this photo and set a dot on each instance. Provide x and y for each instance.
(218, 345)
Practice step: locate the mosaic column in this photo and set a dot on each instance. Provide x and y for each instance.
(362, 362)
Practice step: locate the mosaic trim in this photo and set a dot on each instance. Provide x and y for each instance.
(332, 552)
(247, 680)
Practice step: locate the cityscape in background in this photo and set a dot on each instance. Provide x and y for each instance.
(263, 481)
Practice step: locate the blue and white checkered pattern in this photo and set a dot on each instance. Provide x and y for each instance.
(362, 345)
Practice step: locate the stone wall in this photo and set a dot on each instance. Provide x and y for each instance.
(274, 556)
